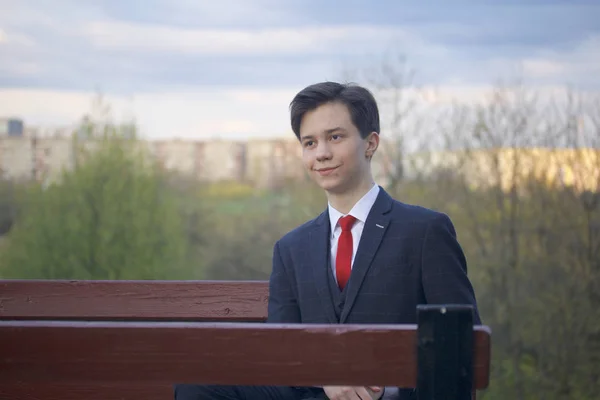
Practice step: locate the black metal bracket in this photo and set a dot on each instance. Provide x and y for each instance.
(445, 352)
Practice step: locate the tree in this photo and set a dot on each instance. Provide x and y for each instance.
(107, 218)
(403, 130)
(530, 221)
(8, 204)
(246, 225)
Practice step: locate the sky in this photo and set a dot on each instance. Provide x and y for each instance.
(229, 69)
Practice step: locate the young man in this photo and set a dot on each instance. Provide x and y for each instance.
(367, 259)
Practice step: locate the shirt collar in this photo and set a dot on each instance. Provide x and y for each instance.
(360, 211)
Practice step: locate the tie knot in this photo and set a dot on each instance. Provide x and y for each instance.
(347, 222)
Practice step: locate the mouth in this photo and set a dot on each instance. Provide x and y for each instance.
(326, 171)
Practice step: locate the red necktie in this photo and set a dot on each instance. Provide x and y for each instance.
(343, 259)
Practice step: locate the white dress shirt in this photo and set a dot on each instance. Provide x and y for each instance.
(360, 211)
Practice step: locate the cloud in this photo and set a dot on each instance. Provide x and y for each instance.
(241, 112)
(578, 66)
(192, 68)
(16, 39)
(19, 68)
(223, 13)
(212, 112)
(239, 42)
(543, 68)
(584, 58)
(128, 47)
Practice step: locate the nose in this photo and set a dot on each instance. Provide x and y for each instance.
(323, 152)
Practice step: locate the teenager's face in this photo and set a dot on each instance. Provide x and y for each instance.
(333, 152)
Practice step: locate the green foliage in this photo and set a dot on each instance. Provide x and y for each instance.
(533, 251)
(9, 192)
(244, 230)
(108, 218)
(534, 262)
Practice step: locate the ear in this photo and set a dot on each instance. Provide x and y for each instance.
(372, 142)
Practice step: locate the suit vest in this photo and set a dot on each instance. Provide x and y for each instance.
(338, 297)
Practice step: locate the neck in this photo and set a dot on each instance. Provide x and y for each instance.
(344, 201)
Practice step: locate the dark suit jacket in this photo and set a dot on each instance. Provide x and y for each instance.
(407, 255)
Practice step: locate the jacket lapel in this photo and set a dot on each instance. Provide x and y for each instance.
(319, 243)
(375, 227)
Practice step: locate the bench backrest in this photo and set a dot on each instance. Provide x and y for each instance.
(130, 340)
(213, 301)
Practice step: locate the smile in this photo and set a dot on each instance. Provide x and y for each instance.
(326, 171)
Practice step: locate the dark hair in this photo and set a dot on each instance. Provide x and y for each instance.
(360, 102)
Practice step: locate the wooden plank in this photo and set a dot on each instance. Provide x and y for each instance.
(90, 391)
(217, 353)
(244, 301)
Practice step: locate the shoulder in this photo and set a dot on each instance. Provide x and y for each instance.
(418, 216)
(409, 214)
(423, 225)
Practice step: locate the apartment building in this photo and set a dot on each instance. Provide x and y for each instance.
(269, 162)
(260, 162)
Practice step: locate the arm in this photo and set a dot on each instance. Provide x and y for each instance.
(283, 303)
(283, 308)
(444, 267)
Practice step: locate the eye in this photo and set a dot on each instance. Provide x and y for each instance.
(308, 143)
(335, 137)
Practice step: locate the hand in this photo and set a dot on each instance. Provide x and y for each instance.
(353, 392)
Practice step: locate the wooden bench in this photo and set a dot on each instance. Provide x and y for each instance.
(126, 340)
